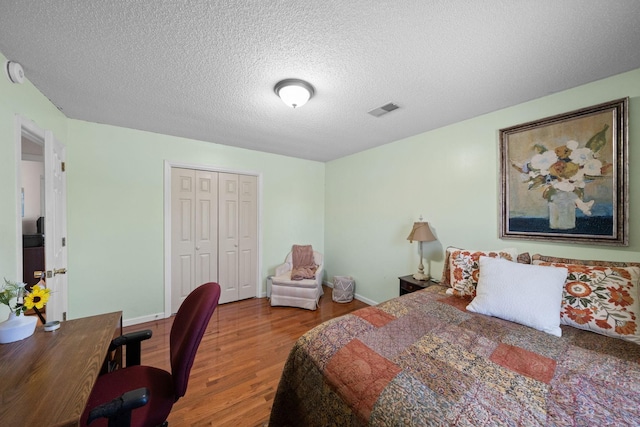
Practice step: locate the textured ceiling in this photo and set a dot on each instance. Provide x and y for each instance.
(206, 69)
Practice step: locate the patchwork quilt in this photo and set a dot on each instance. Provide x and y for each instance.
(423, 360)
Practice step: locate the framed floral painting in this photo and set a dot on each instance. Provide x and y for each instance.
(565, 178)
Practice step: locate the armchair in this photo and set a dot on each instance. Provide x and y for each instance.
(303, 293)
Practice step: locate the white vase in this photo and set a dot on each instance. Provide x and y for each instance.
(17, 328)
(562, 210)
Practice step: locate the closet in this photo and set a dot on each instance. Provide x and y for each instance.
(213, 233)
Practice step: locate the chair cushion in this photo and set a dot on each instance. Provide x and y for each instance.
(285, 279)
(295, 296)
(112, 385)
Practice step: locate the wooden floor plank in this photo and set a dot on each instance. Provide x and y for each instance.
(236, 371)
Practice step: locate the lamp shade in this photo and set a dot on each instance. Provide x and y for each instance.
(294, 92)
(421, 232)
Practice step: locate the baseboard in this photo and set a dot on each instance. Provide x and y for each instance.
(143, 319)
(356, 296)
(157, 316)
(365, 300)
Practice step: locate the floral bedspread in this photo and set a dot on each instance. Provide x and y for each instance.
(423, 360)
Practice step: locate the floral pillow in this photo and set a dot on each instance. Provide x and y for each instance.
(524, 258)
(464, 268)
(602, 299)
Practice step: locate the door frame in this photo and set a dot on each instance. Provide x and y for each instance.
(45, 138)
(167, 222)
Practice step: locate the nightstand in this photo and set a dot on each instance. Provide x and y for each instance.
(408, 284)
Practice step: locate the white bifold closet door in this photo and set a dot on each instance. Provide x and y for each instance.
(238, 241)
(194, 231)
(214, 233)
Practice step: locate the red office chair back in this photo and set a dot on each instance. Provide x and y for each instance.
(163, 388)
(187, 330)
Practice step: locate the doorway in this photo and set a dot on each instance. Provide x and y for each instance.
(32, 196)
(41, 224)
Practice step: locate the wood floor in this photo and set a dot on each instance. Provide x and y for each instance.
(240, 360)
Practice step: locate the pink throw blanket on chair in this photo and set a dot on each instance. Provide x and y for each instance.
(304, 266)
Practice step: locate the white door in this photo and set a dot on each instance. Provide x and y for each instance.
(248, 236)
(214, 234)
(228, 237)
(182, 235)
(206, 231)
(238, 236)
(55, 226)
(194, 227)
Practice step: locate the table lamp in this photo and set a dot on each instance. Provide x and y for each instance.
(421, 233)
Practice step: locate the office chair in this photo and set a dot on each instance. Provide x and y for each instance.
(143, 395)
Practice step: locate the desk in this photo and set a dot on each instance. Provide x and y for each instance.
(46, 379)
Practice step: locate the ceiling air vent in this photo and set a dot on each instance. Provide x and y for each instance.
(380, 111)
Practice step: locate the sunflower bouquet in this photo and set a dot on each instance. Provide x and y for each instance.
(22, 298)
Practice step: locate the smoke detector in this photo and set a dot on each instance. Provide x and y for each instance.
(387, 108)
(14, 71)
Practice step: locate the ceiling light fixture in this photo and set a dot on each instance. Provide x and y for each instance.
(294, 92)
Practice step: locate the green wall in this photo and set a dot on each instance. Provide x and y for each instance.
(450, 176)
(116, 211)
(358, 210)
(115, 202)
(24, 100)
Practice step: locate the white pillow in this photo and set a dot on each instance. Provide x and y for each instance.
(527, 294)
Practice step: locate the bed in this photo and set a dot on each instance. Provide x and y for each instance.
(423, 359)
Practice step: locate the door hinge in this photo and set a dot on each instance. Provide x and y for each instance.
(63, 166)
(64, 242)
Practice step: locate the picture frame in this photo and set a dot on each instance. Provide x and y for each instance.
(565, 178)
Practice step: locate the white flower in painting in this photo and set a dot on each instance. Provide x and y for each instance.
(581, 155)
(579, 182)
(566, 168)
(585, 207)
(593, 168)
(572, 145)
(543, 161)
(564, 185)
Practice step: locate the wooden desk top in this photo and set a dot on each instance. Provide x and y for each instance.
(46, 379)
